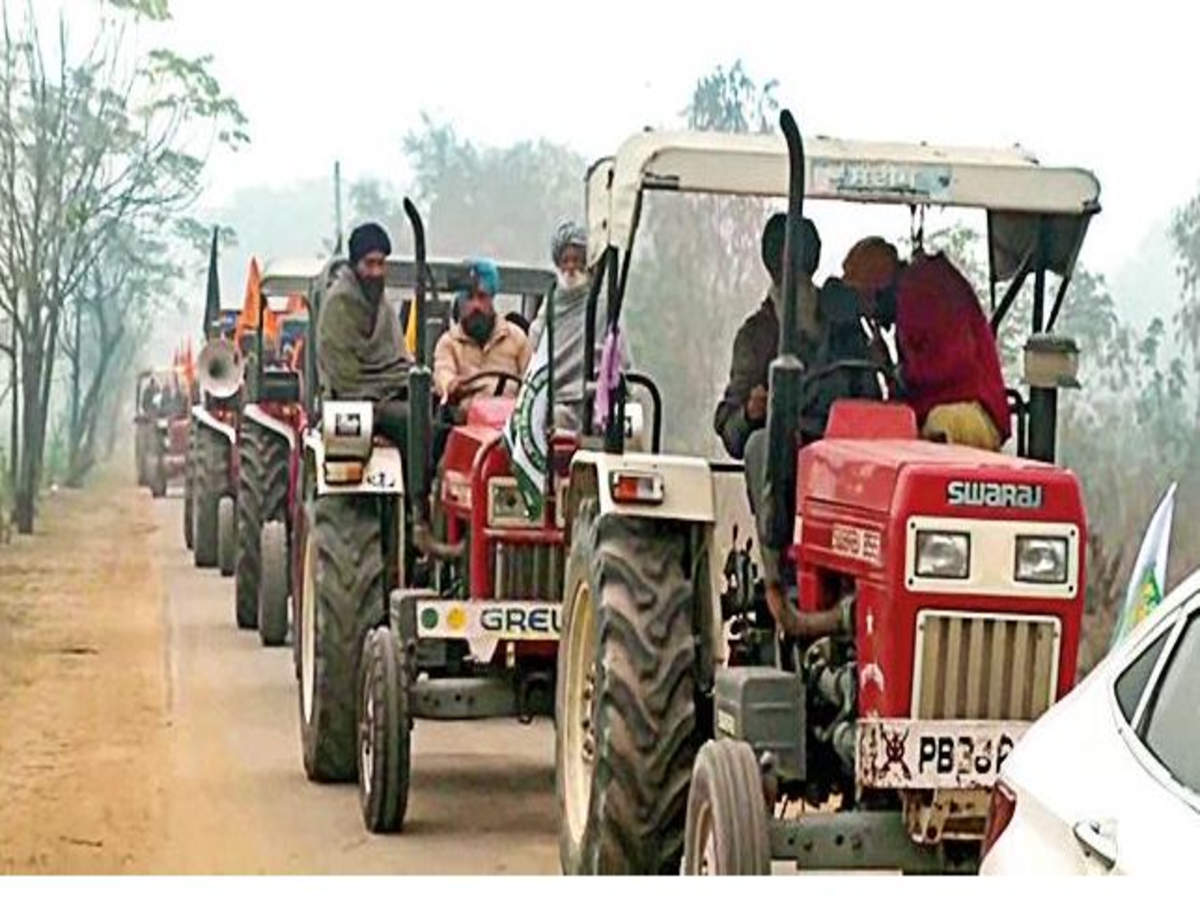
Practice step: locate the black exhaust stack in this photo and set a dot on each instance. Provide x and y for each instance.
(212, 290)
(786, 373)
(420, 382)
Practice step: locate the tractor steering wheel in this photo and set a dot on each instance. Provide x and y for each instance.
(890, 374)
(464, 389)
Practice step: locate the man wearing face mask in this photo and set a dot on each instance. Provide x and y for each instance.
(479, 341)
(568, 250)
(360, 346)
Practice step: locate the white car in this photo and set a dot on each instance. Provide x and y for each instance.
(1108, 780)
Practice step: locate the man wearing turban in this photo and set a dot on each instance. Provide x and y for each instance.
(478, 342)
(360, 346)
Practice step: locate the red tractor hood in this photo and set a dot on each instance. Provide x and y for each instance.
(863, 472)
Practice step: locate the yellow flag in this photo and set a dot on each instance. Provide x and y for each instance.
(410, 330)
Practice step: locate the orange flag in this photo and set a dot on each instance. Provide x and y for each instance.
(248, 317)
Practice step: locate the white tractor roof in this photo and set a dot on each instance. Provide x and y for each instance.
(1006, 182)
(290, 275)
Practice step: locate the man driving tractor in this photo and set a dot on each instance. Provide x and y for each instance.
(829, 332)
(478, 342)
(360, 347)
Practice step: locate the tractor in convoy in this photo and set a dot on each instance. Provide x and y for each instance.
(161, 427)
(210, 486)
(270, 427)
(412, 592)
(940, 588)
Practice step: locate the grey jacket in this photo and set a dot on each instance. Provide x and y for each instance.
(360, 347)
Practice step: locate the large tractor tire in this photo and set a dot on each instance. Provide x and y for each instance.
(262, 497)
(272, 610)
(726, 831)
(342, 600)
(625, 704)
(208, 483)
(384, 733)
(189, 465)
(226, 535)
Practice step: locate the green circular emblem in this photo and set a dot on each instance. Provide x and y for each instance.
(531, 417)
(429, 617)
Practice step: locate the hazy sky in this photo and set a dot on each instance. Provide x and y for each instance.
(1077, 83)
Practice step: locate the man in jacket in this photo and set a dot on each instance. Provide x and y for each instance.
(743, 407)
(360, 347)
(479, 342)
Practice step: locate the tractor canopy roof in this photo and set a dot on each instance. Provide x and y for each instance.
(1010, 184)
(290, 276)
(451, 275)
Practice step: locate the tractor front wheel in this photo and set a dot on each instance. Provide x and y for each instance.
(208, 481)
(226, 535)
(273, 584)
(726, 831)
(384, 733)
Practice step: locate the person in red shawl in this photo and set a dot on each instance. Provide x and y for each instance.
(948, 358)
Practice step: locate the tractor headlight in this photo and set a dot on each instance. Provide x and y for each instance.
(1041, 560)
(505, 508)
(943, 554)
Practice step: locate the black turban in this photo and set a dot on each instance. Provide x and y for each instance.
(772, 245)
(368, 238)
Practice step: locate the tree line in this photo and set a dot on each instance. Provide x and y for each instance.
(102, 148)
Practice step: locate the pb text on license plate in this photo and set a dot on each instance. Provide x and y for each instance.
(933, 753)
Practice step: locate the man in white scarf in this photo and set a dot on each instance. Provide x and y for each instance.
(568, 249)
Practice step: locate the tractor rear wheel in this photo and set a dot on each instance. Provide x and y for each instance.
(342, 599)
(272, 612)
(625, 705)
(208, 477)
(384, 733)
(726, 831)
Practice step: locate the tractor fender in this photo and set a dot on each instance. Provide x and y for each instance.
(689, 499)
(383, 473)
(206, 419)
(255, 414)
(687, 484)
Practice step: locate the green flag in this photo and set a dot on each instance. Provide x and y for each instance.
(525, 431)
(1149, 570)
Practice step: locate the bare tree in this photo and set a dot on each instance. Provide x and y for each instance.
(92, 141)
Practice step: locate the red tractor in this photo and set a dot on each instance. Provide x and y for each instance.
(161, 425)
(416, 596)
(939, 589)
(271, 425)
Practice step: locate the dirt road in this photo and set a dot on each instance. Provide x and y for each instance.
(140, 731)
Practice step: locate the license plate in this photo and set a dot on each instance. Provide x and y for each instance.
(934, 753)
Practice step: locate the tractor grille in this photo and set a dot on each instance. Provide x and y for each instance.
(971, 666)
(528, 572)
